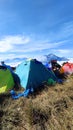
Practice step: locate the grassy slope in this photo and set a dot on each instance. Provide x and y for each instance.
(49, 109)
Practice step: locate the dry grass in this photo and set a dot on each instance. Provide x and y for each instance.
(49, 109)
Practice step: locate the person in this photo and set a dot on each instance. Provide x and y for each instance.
(55, 64)
(6, 66)
(58, 70)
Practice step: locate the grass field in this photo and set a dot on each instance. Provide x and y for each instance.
(51, 108)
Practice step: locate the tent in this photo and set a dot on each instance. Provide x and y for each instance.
(68, 68)
(6, 80)
(33, 73)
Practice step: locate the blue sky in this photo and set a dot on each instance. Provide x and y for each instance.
(32, 28)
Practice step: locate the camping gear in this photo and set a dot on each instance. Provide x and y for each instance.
(61, 70)
(33, 74)
(48, 65)
(6, 80)
(51, 82)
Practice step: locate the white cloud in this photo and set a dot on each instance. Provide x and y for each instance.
(17, 39)
(67, 29)
(7, 43)
(38, 46)
(64, 31)
(20, 43)
(22, 46)
(64, 51)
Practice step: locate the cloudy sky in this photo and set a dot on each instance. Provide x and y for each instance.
(31, 28)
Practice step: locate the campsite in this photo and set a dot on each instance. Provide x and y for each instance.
(43, 103)
(36, 64)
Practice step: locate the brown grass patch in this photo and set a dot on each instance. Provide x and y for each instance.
(48, 109)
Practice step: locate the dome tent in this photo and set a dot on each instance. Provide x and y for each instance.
(33, 73)
(68, 68)
(6, 80)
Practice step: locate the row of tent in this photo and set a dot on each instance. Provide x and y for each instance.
(30, 73)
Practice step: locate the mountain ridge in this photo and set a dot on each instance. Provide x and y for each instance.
(43, 59)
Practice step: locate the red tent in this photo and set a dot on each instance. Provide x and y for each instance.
(68, 68)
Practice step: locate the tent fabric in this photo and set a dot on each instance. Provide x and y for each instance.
(24, 93)
(33, 73)
(68, 68)
(6, 80)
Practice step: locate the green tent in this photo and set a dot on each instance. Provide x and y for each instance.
(6, 80)
(33, 73)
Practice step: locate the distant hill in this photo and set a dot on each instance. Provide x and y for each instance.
(49, 57)
(54, 57)
(14, 61)
(43, 59)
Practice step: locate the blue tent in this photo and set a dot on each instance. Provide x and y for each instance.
(33, 73)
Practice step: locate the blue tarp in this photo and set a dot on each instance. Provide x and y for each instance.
(24, 93)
